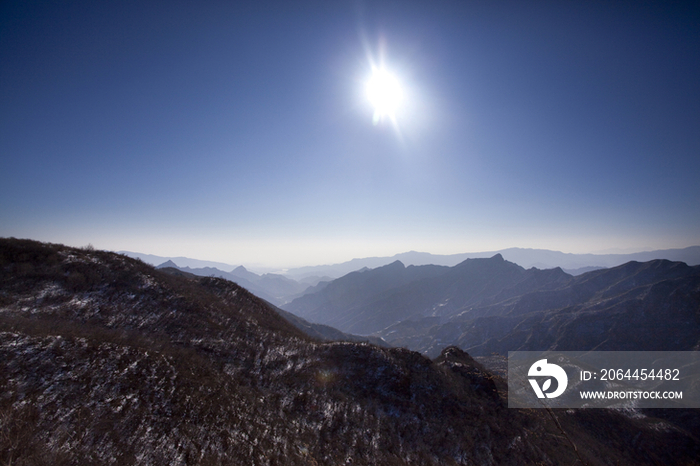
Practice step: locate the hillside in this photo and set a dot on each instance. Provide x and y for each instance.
(106, 360)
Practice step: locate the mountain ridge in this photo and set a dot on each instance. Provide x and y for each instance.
(493, 305)
(432, 291)
(525, 257)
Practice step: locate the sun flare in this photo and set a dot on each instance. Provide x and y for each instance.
(384, 93)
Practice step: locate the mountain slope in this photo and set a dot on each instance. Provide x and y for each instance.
(337, 303)
(105, 360)
(651, 306)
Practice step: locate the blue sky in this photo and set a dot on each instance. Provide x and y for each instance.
(241, 133)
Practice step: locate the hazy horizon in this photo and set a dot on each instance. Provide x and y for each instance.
(258, 267)
(259, 133)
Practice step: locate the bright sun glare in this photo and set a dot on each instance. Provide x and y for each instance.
(384, 93)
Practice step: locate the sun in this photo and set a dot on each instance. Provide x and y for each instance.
(384, 93)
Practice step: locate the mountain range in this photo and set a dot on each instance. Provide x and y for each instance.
(106, 360)
(540, 258)
(493, 305)
(282, 287)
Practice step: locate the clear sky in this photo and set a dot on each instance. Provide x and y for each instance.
(241, 132)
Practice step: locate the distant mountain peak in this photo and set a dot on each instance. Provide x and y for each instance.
(240, 268)
(396, 264)
(496, 260)
(167, 264)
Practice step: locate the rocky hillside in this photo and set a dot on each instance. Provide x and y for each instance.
(106, 360)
